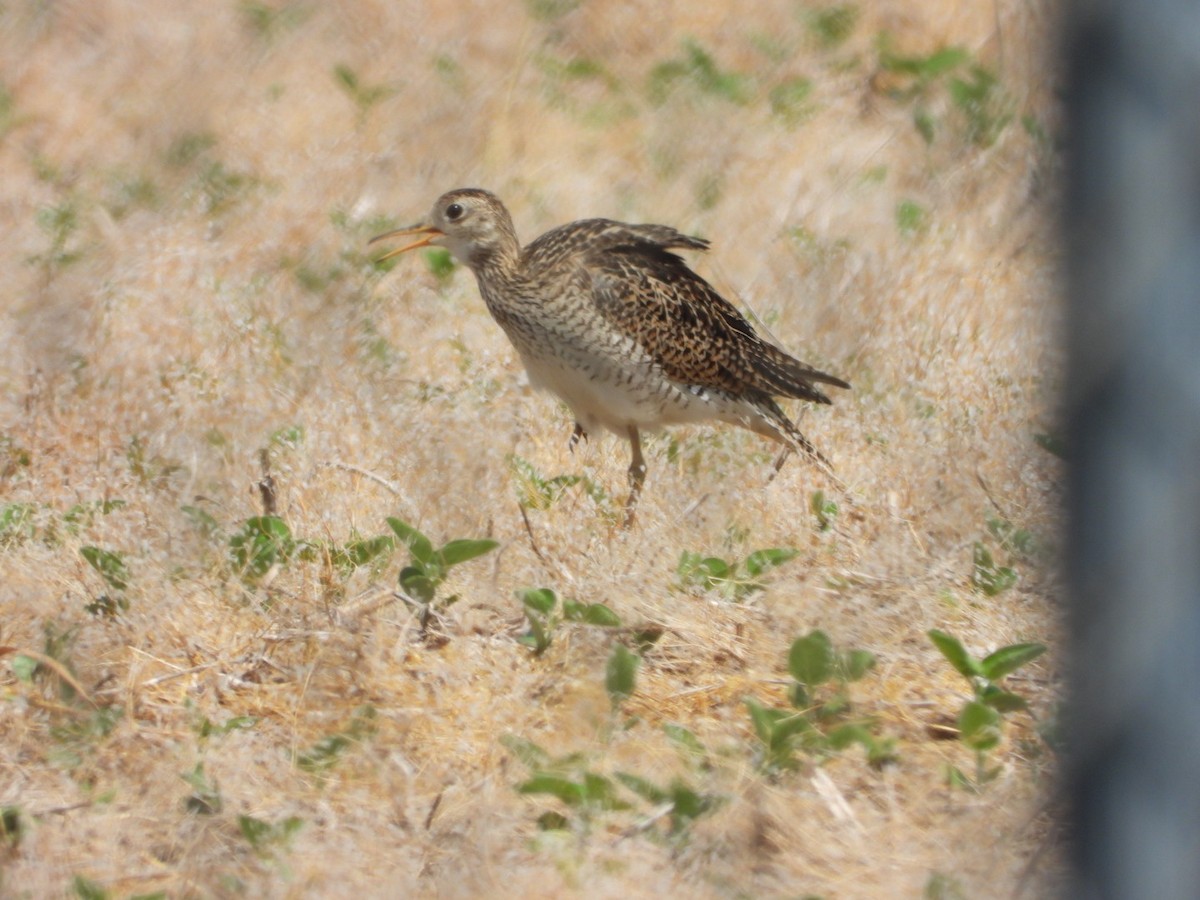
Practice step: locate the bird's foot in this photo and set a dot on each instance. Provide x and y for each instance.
(578, 433)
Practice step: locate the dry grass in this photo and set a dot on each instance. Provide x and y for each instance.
(214, 288)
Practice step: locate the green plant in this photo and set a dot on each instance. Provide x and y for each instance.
(374, 552)
(697, 69)
(984, 109)
(82, 515)
(115, 573)
(587, 794)
(832, 25)
(824, 509)
(734, 580)
(620, 675)
(981, 719)
(819, 721)
(77, 735)
(911, 217)
(205, 798)
(943, 887)
(791, 100)
(325, 753)
(268, 21)
(441, 265)
(86, 889)
(988, 575)
(428, 568)
(16, 524)
(259, 546)
(264, 837)
(535, 491)
(59, 223)
(364, 96)
(544, 616)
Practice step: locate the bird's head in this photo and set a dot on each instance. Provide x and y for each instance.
(471, 223)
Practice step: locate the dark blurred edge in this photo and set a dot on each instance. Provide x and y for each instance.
(1132, 219)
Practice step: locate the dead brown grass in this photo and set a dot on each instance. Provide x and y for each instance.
(209, 301)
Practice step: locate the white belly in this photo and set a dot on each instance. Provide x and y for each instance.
(603, 395)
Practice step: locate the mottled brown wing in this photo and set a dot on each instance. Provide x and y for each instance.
(697, 336)
(592, 236)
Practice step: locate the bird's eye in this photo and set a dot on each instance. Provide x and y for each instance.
(454, 211)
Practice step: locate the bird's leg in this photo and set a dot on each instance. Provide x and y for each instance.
(578, 433)
(779, 461)
(637, 474)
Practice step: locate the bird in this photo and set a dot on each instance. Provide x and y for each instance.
(608, 316)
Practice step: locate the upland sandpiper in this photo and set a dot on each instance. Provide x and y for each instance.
(604, 315)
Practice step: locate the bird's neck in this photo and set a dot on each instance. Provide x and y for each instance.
(499, 263)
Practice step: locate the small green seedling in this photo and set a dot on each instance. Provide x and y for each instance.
(587, 794)
(620, 675)
(364, 96)
(325, 753)
(697, 69)
(566, 778)
(266, 838)
(981, 719)
(205, 798)
(819, 721)
(733, 580)
(261, 545)
(428, 568)
(824, 509)
(544, 616)
(115, 573)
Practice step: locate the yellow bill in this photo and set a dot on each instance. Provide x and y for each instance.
(428, 235)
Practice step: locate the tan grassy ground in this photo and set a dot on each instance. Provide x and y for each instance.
(186, 194)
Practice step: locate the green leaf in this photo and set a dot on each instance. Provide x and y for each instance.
(539, 600)
(761, 560)
(645, 789)
(109, 564)
(856, 663)
(566, 790)
(1003, 701)
(955, 653)
(418, 545)
(979, 726)
(1008, 659)
(539, 637)
(255, 831)
(529, 753)
(703, 572)
(344, 74)
(201, 520)
(590, 614)
(552, 821)
(86, 889)
(459, 551)
(621, 674)
(24, 667)
(763, 719)
(690, 805)
(441, 264)
(262, 542)
(685, 741)
(417, 584)
(988, 577)
(810, 661)
(601, 793)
